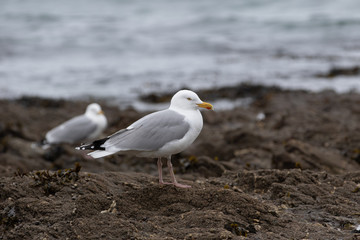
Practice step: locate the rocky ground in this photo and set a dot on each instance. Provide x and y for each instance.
(286, 166)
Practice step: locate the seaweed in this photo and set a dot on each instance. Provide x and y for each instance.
(52, 182)
(237, 229)
(20, 173)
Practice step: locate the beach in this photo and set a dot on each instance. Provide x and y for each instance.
(286, 165)
(278, 158)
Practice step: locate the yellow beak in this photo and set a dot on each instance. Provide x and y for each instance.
(206, 105)
(101, 112)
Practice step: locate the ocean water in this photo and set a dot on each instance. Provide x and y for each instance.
(118, 49)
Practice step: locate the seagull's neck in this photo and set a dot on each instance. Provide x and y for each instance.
(192, 115)
(98, 119)
(183, 110)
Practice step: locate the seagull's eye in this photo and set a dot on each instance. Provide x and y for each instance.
(189, 99)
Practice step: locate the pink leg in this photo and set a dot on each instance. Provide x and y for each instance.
(173, 179)
(159, 163)
(161, 181)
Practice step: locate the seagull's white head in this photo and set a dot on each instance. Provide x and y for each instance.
(93, 110)
(186, 99)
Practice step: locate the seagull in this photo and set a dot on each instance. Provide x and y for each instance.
(85, 127)
(159, 134)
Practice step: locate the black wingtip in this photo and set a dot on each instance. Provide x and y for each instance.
(96, 145)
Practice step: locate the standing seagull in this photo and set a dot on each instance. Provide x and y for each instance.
(159, 134)
(84, 127)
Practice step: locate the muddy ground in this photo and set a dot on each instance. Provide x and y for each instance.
(286, 166)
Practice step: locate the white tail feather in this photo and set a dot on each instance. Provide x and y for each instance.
(100, 153)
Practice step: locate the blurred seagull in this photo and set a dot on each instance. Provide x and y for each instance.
(159, 134)
(85, 127)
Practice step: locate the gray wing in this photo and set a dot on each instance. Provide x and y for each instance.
(71, 131)
(150, 132)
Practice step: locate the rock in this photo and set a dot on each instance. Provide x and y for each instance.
(305, 156)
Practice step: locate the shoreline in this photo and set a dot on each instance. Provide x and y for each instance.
(231, 94)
